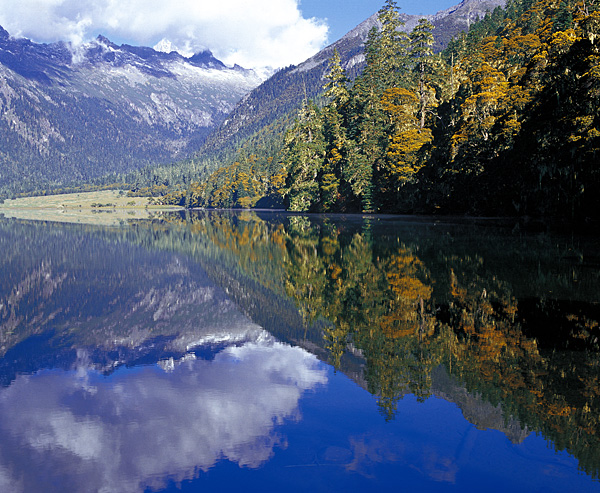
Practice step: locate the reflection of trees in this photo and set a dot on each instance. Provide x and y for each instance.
(408, 306)
(383, 300)
(553, 391)
(379, 303)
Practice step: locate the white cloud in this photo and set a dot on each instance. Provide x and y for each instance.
(251, 33)
(130, 431)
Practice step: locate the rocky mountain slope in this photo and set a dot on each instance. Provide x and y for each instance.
(70, 115)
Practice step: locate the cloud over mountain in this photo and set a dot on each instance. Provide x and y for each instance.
(251, 33)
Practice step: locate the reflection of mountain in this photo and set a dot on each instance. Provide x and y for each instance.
(475, 409)
(66, 288)
(131, 430)
(358, 286)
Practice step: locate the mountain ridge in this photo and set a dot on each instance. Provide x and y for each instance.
(78, 114)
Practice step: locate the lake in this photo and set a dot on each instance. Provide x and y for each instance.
(247, 351)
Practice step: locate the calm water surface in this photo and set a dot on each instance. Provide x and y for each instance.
(267, 352)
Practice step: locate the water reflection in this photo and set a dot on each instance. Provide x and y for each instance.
(424, 301)
(504, 326)
(135, 429)
(515, 319)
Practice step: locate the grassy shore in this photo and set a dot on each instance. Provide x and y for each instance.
(109, 207)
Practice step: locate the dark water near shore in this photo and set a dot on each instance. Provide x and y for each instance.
(264, 351)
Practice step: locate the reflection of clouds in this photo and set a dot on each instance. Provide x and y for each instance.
(368, 452)
(138, 427)
(7, 483)
(439, 467)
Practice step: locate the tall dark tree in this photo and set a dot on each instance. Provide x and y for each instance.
(421, 41)
(304, 155)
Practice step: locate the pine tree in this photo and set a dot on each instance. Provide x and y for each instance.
(336, 88)
(331, 176)
(421, 40)
(304, 153)
(387, 50)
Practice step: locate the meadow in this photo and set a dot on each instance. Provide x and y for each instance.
(108, 207)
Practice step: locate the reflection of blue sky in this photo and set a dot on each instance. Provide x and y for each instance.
(427, 447)
(133, 429)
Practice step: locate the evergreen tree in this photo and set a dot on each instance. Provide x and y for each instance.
(387, 50)
(421, 40)
(336, 92)
(336, 88)
(303, 158)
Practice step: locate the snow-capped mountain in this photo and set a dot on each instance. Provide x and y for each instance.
(165, 46)
(70, 114)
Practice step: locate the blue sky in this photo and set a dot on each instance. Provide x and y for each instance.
(251, 33)
(343, 15)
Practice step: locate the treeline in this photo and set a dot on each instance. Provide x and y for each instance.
(253, 178)
(505, 121)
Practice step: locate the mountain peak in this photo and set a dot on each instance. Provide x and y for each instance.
(206, 59)
(105, 41)
(143, 106)
(166, 46)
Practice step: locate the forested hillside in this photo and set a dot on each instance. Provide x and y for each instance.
(504, 121)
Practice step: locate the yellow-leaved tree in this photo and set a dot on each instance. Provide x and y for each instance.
(407, 139)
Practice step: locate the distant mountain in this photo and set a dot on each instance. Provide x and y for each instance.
(79, 114)
(166, 46)
(286, 89)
